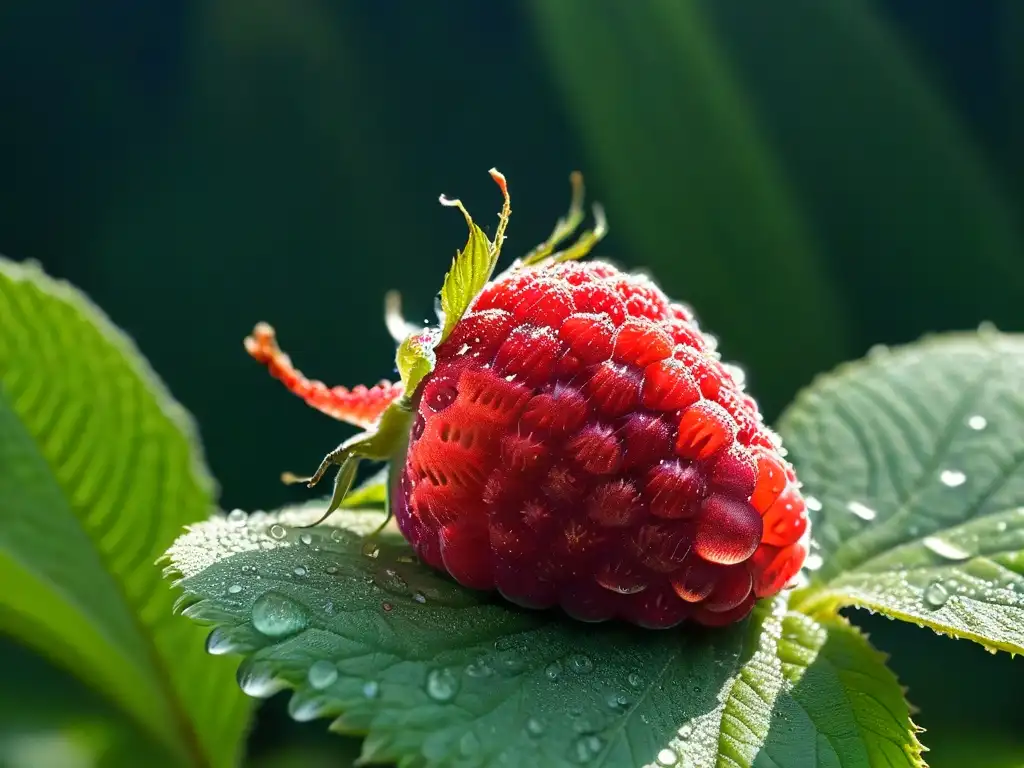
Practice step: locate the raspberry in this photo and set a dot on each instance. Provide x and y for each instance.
(579, 444)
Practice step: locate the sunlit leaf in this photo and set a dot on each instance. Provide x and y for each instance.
(470, 271)
(438, 675)
(99, 470)
(914, 461)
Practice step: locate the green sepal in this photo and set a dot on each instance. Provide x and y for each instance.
(415, 358)
(471, 270)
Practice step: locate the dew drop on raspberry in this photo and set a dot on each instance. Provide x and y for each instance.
(728, 530)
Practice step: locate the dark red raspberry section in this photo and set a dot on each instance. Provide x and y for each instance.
(581, 445)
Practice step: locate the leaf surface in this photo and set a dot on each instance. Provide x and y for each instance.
(99, 470)
(437, 675)
(914, 461)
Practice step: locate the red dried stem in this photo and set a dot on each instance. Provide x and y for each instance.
(361, 405)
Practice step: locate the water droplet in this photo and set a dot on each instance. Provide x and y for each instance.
(977, 422)
(388, 607)
(861, 511)
(276, 615)
(256, 680)
(553, 671)
(945, 549)
(339, 536)
(329, 607)
(219, 642)
(616, 700)
(1001, 526)
(300, 571)
(635, 680)
(419, 597)
(813, 562)
(812, 504)
(478, 669)
(667, 757)
(952, 478)
(936, 595)
(237, 517)
(306, 539)
(581, 663)
(392, 582)
(331, 570)
(371, 550)
(442, 685)
(588, 747)
(534, 727)
(277, 531)
(234, 589)
(684, 731)
(371, 689)
(322, 674)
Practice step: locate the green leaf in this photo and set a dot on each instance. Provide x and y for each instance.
(438, 675)
(914, 461)
(99, 470)
(471, 269)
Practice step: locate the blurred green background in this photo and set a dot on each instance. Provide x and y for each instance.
(813, 177)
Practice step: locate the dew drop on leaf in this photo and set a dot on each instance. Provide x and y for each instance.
(331, 570)
(419, 597)
(300, 571)
(667, 757)
(277, 531)
(952, 478)
(936, 595)
(276, 615)
(237, 517)
(322, 674)
(862, 511)
(479, 669)
(945, 549)
(234, 589)
(442, 685)
(977, 422)
(635, 680)
(306, 539)
(534, 727)
(553, 671)
(588, 747)
(371, 689)
(371, 550)
(581, 663)
(257, 681)
(220, 642)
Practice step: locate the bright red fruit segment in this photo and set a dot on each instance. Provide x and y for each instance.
(580, 444)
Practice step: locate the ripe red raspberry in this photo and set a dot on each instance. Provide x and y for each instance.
(580, 444)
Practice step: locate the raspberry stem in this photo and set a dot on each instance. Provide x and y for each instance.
(361, 406)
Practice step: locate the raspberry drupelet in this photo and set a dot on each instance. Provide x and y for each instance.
(579, 443)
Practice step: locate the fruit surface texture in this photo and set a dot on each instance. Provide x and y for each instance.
(580, 444)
